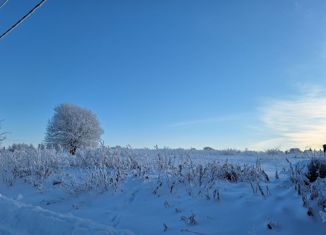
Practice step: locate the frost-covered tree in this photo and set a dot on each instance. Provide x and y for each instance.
(73, 127)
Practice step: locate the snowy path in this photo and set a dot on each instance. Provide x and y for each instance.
(18, 218)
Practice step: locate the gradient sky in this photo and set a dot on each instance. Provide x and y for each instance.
(176, 73)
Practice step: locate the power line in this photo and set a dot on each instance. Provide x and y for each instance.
(3, 3)
(22, 18)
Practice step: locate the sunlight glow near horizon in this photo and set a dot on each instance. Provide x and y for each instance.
(299, 121)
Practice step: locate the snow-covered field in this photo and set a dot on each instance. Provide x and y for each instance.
(161, 191)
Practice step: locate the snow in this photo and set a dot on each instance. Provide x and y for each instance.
(87, 202)
(19, 218)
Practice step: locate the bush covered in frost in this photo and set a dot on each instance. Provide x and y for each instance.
(309, 181)
(316, 168)
(29, 164)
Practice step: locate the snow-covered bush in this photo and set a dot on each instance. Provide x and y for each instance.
(97, 179)
(316, 168)
(30, 165)
(73, 127)
(203, 178)
(207, 148)
(309, 181)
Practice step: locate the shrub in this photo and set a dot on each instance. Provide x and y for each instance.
(207, 148)
(316, 168)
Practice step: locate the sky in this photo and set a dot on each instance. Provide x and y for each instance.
(173, 73)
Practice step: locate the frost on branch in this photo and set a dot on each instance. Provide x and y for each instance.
(73, 127)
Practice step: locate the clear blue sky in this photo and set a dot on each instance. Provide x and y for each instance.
(177, 73)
